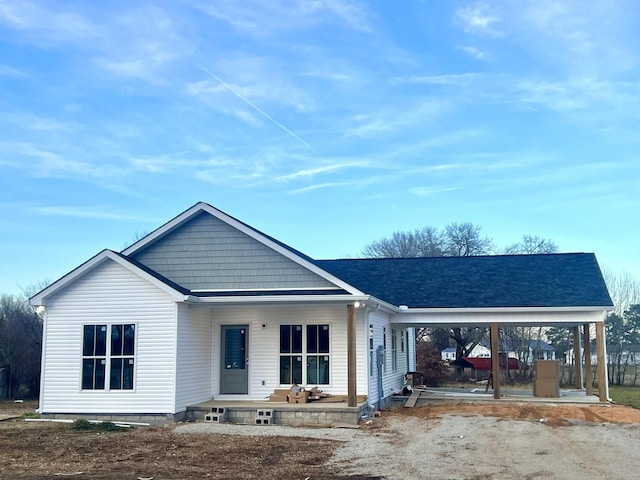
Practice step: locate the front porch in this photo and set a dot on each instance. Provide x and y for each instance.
(320, 414)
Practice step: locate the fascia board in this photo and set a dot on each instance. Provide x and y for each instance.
(40, 298)
(506, 309)
(205, 207)
(273, 299)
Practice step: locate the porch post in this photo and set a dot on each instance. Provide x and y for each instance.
(602, 362)
(495, 361)
(577, 354)
(351, 356)
(588, 373)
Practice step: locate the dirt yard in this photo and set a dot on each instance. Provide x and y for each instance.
(453, 440)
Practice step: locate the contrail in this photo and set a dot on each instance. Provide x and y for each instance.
(248, 102)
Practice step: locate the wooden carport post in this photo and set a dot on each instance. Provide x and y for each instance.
(495, 360)
(602, 362)
(577, 355)
(588, 373)
(352, 400)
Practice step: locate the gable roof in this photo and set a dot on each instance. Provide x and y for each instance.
(549, 280)
(271, 243)
(501, 281)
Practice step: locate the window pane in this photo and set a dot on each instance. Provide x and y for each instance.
(297, 339)
(323, 336)
(312, 339)
(129, 339)
(100, 372)
(116, 374)
(285, 370)
(285, 340)
(312, 370)
(88, 341)
(101, 340)
(127, 374)
(116, 339)
(297, 369)
(234, 348)
(87, 373)
(370, 337)
(323, 370)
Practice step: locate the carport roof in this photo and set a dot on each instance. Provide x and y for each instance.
(545, 280)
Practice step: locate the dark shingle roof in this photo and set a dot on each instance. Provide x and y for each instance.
(550, 280)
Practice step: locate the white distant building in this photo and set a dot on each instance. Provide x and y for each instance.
(448, 354)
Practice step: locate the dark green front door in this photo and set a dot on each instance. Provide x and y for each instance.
(234, 377)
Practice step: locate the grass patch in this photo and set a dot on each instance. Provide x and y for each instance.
(625, 395)
(106, 426)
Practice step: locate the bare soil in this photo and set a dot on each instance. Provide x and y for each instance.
(449, 440)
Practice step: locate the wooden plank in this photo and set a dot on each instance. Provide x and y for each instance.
(577, 355)
(602, 362)
(413, 399)
(588, 372)
(495, 360)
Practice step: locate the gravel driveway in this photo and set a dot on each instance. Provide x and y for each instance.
(469, 447)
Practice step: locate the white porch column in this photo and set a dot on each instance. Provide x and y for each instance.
(351, 357)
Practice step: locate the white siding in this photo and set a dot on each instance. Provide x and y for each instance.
(110, 294)
(194, 356)
(264, 345)
(392, 381)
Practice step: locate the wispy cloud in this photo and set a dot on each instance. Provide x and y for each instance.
(91, 212)
(8, 71)
(432, 191)
(265, 18)
(479, 19)
(474, 52)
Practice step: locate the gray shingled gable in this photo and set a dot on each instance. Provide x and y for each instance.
(553, 280)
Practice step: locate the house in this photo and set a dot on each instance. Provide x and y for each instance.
(448, 354)
(207, 307)
(528, 352)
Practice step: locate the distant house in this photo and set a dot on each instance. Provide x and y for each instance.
(448, 354)
(537, 350)
(207, 307)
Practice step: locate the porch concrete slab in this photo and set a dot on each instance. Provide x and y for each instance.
(508, 395)
(312, 413)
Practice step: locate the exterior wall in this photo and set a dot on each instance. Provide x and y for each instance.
(264, 345)
(392, 380)
(194, 356)
(109, 294)
(208, 254)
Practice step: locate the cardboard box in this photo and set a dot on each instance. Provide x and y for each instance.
(298, 397)
(546, 383)
(279, 395)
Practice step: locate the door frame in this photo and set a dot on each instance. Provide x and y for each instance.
(244, 388)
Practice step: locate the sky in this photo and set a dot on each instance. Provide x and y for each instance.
(326, 124)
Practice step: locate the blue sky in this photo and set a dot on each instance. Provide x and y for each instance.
(327, 124)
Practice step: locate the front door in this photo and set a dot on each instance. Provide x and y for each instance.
(234, 377)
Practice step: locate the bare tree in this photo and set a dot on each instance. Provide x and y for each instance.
(20, 345)
(464, 239)
(531, 244)
(624, 289)
(425, 242)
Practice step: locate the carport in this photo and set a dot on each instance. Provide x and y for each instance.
(582, 321)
